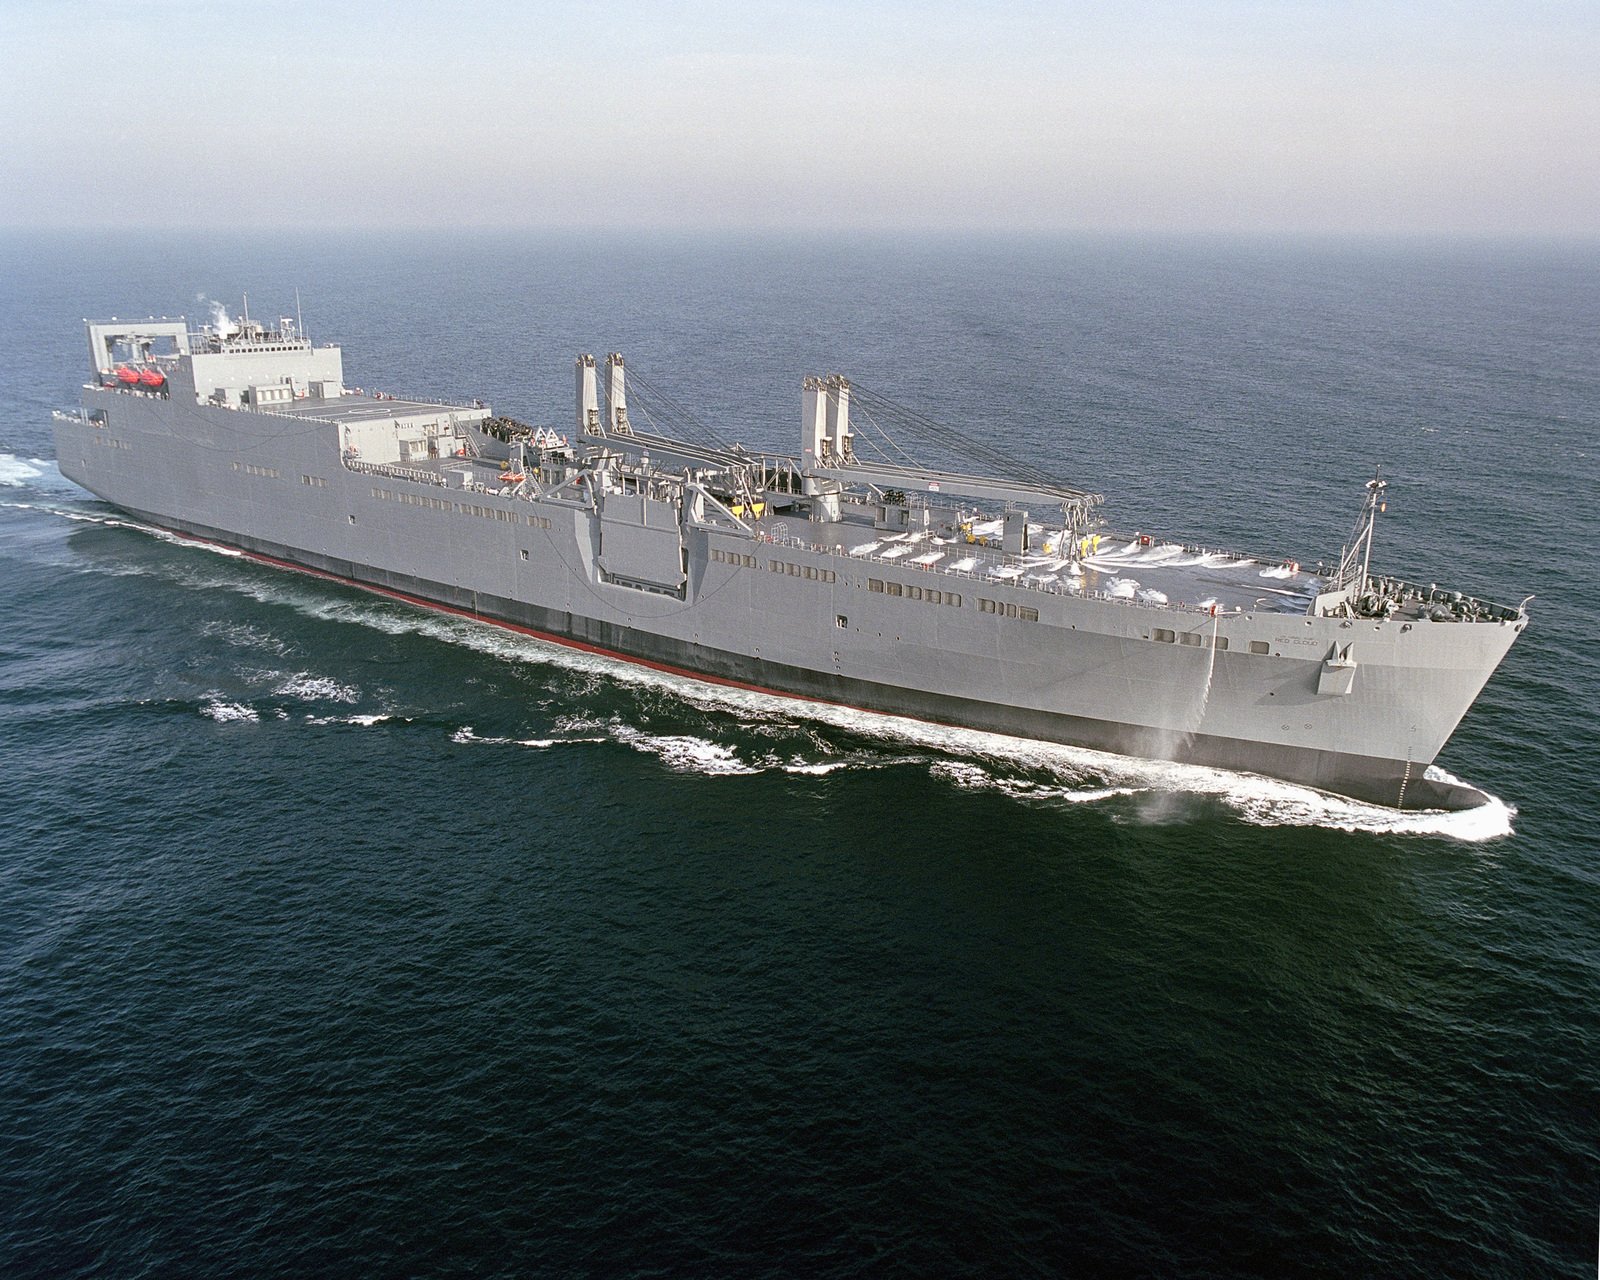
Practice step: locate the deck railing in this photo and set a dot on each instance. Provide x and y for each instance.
(396, 472)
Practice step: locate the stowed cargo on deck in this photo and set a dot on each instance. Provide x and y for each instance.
(996, 601)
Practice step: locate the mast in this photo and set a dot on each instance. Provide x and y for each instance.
(1375, 504)
(1359, 549)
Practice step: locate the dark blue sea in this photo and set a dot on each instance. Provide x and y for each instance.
(342, 939)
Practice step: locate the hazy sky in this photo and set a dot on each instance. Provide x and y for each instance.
(1299, 116)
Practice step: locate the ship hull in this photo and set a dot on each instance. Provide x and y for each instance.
(806, 620)
(1392, 783)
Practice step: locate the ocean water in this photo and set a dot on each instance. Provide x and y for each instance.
(340, 938)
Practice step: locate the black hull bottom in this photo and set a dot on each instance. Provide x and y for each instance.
(1391, 783)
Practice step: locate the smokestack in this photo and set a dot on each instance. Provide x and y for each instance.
(839, 418)
(588, 400)
(616, 396)
(813, 421)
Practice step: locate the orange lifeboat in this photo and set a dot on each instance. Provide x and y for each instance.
(152, 378)
(126, 376)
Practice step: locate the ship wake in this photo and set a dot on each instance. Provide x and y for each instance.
(738, 726)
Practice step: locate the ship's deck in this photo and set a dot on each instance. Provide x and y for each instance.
(1144, 571)
(356, 407)
(1149, 572)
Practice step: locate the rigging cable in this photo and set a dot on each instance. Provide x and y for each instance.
(951, 441)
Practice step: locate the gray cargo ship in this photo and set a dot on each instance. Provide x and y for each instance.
(997, 602)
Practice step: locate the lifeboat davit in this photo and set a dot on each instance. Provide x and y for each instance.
(152, 378)
(126, 376)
